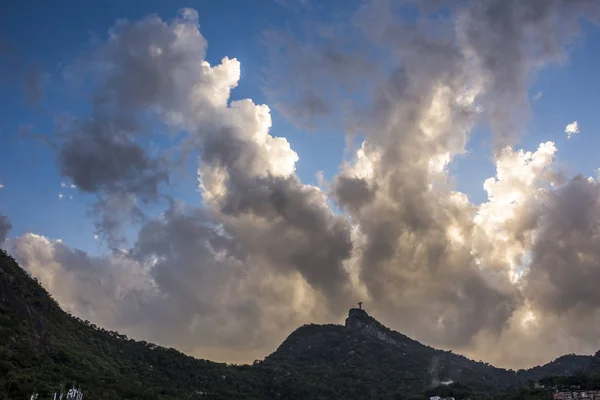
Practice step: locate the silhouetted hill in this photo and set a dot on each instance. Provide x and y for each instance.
(41, 347)
(383, 360)
(564, 366)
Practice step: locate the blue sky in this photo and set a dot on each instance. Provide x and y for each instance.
(53, 34)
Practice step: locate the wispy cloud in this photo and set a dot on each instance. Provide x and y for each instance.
(538, 96)
(67, 186)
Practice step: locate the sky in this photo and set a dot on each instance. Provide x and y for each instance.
(211, 175)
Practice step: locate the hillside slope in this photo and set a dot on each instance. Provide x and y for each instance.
(43, 347)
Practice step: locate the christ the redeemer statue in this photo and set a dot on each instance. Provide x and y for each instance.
(360, 303)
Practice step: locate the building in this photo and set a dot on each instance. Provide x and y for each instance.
(72, 394)
(577, 395)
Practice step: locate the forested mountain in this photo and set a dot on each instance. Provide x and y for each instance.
(42, 347)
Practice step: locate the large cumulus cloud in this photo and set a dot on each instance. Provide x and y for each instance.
(263, 240)
(444, 269)
(266, 252)
(185, 283)
(149, 73)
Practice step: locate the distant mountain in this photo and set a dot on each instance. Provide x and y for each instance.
(563, 366)
(42, 347)
(385, 361)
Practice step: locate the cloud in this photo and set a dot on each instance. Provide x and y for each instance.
(61, 196)
(330, 64)
(105, 153)
(511, 28)
(560, 302)
(1, 185)
(246, 175)
(565, 257)
(537, 96)
(65, 185)
(266, 252)
(429, 259)
(247, 178)
(185, 274)
(572, 129)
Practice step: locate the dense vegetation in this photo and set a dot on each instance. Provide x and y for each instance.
(42, 347)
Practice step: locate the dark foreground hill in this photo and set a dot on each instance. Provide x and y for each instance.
(42, 347)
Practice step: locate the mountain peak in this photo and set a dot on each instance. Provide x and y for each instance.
(358, 312)
(360, 321)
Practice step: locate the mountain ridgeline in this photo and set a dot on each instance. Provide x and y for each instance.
(42, 347)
